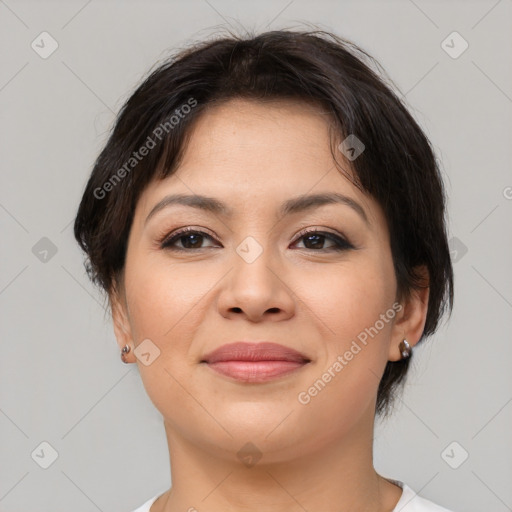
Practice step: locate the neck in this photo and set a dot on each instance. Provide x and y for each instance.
(338, 476)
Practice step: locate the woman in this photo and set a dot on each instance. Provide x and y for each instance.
(267, 220)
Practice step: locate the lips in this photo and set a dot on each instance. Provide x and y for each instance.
(252, 352)
(255, 362)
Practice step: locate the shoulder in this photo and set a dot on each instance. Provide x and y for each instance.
(147, 505)
(412, 502)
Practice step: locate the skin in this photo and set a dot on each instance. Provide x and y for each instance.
(253, 156)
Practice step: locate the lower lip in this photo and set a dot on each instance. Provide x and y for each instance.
(255, 371)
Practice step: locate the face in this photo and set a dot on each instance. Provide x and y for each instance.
(257, 273)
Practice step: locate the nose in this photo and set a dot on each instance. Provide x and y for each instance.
(257, 289)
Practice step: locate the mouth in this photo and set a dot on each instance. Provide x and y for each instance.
(255, 362)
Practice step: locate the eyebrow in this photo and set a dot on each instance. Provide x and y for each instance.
(294, 205)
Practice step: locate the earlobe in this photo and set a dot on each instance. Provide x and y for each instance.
(122, 328)
(410, 324)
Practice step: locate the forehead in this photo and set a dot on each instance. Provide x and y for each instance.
(254, 154)
(247, 142)
(237, 126)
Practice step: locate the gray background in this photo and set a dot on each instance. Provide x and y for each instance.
(61, 377)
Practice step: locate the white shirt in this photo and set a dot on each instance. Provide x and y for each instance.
(408, 502)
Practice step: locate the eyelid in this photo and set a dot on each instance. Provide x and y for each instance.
(309, 229)
(334, 236)
(340, 241)
(167, 235)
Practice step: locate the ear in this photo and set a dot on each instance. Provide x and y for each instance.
(122, 327)
(410, 321)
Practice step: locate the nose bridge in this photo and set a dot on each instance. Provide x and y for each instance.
(254, 285)
(257, 243)
(251, 249)
(254, 261)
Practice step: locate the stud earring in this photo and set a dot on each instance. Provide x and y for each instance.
(405, 349)
(125, 351)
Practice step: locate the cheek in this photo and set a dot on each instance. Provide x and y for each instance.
(355, 308)
(162, 297)
(164, 302)
(345, 381)
(350, 298)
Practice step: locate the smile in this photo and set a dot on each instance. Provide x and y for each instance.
(255, 371)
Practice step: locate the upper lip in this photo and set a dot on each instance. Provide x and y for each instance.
(250, 351)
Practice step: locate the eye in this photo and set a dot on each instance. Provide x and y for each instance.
(189, 237)
(316, 239)
(192, 239)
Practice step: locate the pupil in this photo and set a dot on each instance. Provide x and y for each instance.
(313, 240)
(188, 237)
(316, 237)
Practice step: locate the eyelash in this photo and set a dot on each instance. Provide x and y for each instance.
(342, 244)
